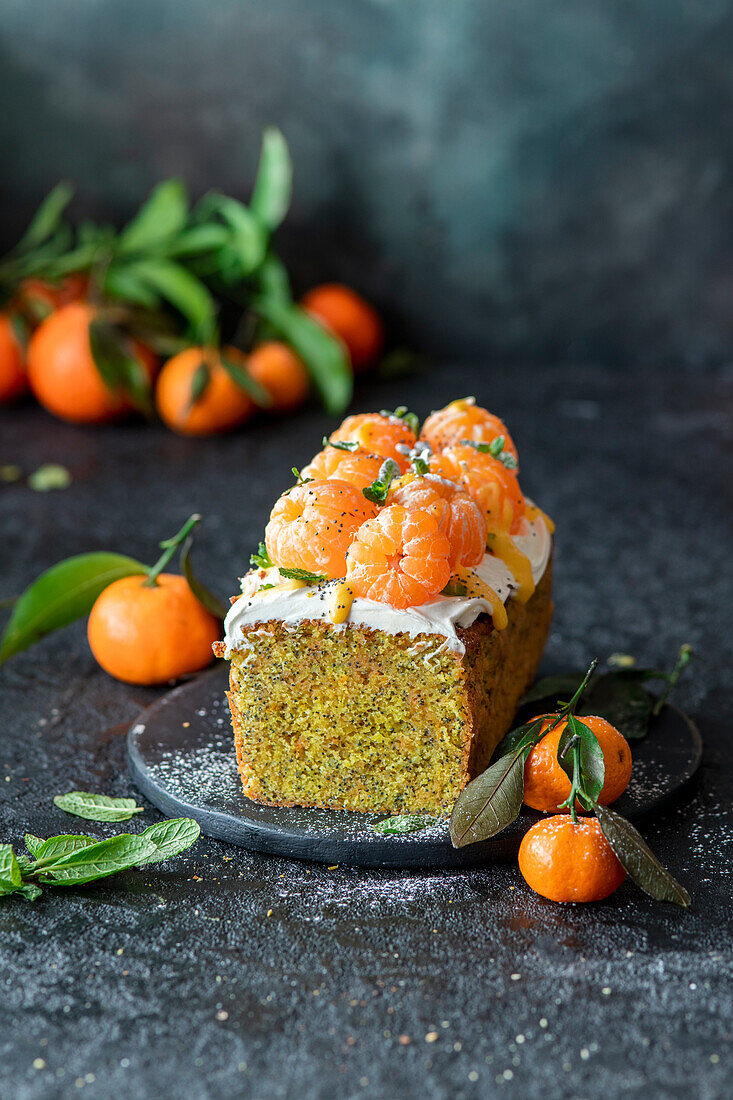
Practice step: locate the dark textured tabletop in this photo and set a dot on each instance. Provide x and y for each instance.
(225, 974)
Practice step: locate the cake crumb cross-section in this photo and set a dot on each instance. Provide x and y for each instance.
(386, 632)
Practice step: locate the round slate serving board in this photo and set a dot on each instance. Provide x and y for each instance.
(181, 757)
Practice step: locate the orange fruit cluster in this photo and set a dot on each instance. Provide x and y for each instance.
(563, 859)
(62, 374)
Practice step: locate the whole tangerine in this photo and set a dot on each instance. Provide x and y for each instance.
(13, 381)
(220, 406)
(347, 315)
(545, 783)
(150, 634)
(569, 861)
(62, 372)
(281, 373)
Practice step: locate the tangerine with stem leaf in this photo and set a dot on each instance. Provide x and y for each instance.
(150, 628)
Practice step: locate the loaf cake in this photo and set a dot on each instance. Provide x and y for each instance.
(393, 617)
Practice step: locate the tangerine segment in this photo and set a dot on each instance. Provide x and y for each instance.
(357, 467)
(464, 419)
(545, 783)
(458, 515)
(400, 557)
(567, 861)
(312, 526)
(380, 435)
(488, 481)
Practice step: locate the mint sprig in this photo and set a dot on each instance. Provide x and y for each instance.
(403, 413)
(69, 860)
(261, 559)
(340, 444)
(377, 491)
(496, 449)
(302, 575)
(97, 807)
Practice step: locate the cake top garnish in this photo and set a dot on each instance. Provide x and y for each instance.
(403, 516)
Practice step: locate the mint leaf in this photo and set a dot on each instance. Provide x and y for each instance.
(379, 488)
(261, 560)
(56, 847)
(402, 823)
(97, 807)
(106, 857)
(10, 877)
(403, 413)
(33, 843)
(170, 838)
(302, 575)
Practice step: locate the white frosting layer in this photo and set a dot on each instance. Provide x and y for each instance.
(440, 616)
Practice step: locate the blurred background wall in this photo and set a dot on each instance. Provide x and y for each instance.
(515, 179)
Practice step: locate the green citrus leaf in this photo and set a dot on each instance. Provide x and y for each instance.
(274, 280)
(274, 183)
(161, 217)
(592, 765)
(47, 218)
(638, 860)
(245, 381)
(62, 594)
(246, 247)
(183, 291)
(211, 602)
(199, 383)
(119, 367)
(123, 283)
(323, 355)
(198, 239)
(97, 807)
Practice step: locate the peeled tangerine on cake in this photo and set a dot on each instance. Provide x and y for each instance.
(388, 628)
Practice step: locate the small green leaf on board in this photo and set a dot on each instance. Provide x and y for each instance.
(62, 594)
(401, 824)
(97, 807)
(638, 860)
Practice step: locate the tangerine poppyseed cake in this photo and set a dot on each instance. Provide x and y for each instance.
(393, 617)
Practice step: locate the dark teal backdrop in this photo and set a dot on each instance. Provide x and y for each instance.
(508, 178)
